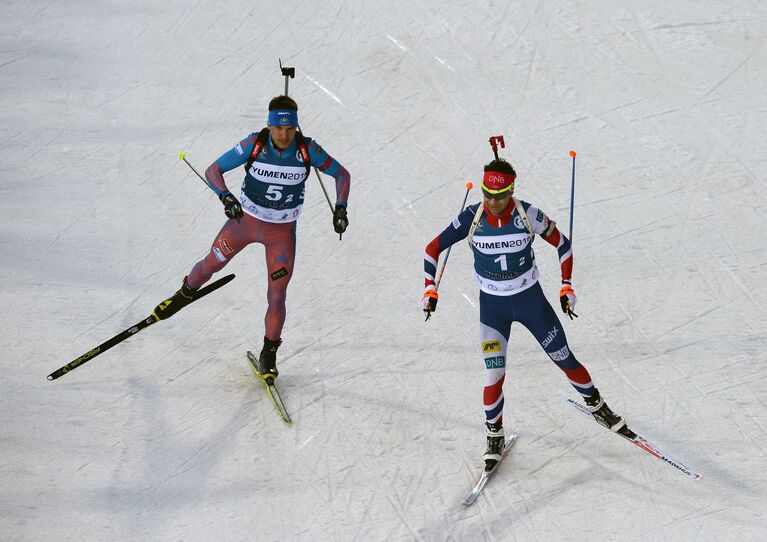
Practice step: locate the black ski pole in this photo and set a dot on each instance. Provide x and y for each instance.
(469, 186)
(182, 155)
(120, 337)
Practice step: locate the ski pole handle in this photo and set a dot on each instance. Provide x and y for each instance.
(572, 196)
(182, 155)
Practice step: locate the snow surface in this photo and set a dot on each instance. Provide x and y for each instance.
(169, 437)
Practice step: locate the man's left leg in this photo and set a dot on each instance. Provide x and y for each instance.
(280, 251)
(545, 326)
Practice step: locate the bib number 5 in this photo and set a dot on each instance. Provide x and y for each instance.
(274, 192)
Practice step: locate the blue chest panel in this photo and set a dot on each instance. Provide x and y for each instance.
(504, 253)
(273, 189)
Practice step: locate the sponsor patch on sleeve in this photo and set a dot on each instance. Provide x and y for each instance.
(491, 346)
(238, 148)
(456, 223)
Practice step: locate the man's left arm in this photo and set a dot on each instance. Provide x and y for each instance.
(320, 159)
(328, 165)
(548, 230)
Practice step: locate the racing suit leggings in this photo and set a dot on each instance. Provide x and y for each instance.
(279, 242)
(531, 309)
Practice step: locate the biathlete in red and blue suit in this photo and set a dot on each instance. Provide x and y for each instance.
(501, 232)
(277, 164)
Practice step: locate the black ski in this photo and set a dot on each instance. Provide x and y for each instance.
(120, 337)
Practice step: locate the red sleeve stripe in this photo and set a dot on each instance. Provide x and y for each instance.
(326, 164)
(564, 248)
(432, 251)
(215, 177)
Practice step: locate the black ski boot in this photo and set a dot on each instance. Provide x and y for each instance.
(176, 302)
(267, 360)
(495, 443)
(604, 415)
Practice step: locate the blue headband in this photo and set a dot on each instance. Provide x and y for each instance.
(283, 117)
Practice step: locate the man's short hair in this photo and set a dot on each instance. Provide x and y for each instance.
(283, 102)
(500, 165)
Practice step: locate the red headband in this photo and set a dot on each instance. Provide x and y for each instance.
(495, 181)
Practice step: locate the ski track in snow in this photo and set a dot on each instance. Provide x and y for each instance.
(168, 436)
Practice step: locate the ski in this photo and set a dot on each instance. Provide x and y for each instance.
(641, 443)
(271, 390)
(120, 337)
(486, 474)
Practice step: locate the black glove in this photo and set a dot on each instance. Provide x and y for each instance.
(232, 207)
(340, 222)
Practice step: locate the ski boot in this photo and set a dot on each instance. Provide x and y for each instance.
(267, 360)
(604, 415)
(176, 302)
(495, 443)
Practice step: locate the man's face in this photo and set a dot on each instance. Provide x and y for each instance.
(282, 136)
(497, 203)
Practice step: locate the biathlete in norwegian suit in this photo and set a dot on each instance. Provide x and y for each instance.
(501, 230)
(277, 163)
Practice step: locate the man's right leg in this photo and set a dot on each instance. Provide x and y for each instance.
(494, 330)
(232, 238)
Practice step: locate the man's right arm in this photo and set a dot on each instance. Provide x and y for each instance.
(455, 232)
(233, 158)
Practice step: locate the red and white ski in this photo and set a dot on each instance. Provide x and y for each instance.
(486, 474)
(641, 443)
